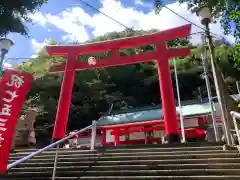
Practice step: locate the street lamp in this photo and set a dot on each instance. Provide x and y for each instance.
(5, 45)
(204, 14)
(205, 76)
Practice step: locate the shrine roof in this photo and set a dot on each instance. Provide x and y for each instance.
(152, 113)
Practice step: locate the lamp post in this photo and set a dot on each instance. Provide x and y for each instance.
(205, 76)
(205, 16)
(5, 45)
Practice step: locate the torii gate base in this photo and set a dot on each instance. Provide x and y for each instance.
(162, 54)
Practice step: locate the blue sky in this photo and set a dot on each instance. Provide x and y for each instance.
(23, 44)
(54, 21)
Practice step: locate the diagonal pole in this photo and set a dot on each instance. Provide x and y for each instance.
(179, 101)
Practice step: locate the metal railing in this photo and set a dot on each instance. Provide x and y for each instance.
(236, 119)
(56, 144)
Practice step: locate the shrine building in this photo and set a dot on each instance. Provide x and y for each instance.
(146, 125)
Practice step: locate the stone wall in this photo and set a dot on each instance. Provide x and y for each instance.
(24, 132)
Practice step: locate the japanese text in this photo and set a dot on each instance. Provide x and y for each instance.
(16, 81)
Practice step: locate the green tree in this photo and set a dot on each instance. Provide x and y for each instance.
(14, 13)
(96, 90)
(226, 11)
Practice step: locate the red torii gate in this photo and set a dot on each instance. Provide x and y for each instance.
(162, 54)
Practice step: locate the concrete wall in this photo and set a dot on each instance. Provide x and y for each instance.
(24, 131)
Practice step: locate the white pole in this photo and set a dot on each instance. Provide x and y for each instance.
(218, 86)
(238, 88)
(179, 102)
(55, 163)
(93, 138)
(204, 56)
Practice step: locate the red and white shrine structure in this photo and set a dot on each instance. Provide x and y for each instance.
(160, 55)
(146, 126)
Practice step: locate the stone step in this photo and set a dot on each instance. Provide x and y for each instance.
(177, 172)
(182, 145)
(96, 153)
(131, 162)
(143, 146)
(129, 149)
(133, 157)
(223, 177)
(132, 167)
(166, 149)
(52, 151)
(173, 162)
(164, 178)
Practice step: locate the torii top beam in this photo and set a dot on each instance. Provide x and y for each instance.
(158, 39)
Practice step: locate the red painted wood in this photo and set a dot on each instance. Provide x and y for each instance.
(202, 121)
(108, 62)
(166, 90)
(146, 123)
(161, 54)
(191, 133)
(125, 131)
(116, 137)
(135, 141)
(129, 42)
(125, 60)
(194, 131)
(65, 99)
(104, 134)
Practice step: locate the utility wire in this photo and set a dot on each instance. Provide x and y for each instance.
(189, 21)
(128, 28)
(30, 58)
(89, 5)
(51, 57)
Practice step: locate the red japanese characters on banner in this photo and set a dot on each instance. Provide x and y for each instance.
(14, 87)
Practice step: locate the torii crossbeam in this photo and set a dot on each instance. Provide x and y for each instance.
(161, 55)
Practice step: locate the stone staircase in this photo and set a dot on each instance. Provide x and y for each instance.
(178, 162)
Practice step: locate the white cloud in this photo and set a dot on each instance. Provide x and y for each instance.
(34, 56)
(7, 65)
(139, 2)
(37, 46)
(72, 21)
(38, 18)
(144, 3)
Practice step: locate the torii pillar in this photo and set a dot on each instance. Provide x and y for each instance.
(161, 55)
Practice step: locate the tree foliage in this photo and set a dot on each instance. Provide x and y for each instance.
(228, 12)
(13, 13)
